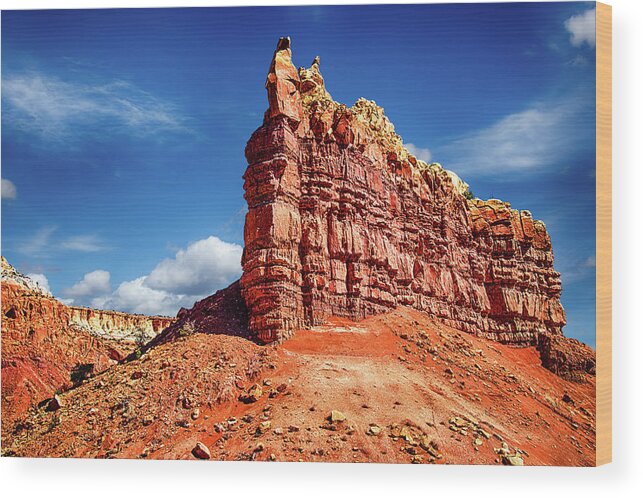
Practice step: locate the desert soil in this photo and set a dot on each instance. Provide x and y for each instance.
(396, 388)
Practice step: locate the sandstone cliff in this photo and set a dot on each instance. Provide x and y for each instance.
(118, 325)
(343, 221)
(103, 323)
(45, 341)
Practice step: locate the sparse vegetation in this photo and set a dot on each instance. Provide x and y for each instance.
(187, 329)
(81, 372)
(255, 364)
(140, 337)
(469, 195)
(53, 423)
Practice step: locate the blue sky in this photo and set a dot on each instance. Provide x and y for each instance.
(123, 131)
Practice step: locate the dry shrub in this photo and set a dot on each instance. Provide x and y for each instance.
(226, 390)
(255, 365)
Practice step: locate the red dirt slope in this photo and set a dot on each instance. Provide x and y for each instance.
(40, 349)
(409, 389)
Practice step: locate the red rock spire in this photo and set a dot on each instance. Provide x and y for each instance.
(283, 85)
(343, 220)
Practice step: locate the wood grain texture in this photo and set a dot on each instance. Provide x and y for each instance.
(603, 233)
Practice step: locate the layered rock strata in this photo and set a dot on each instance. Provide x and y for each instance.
(46, 344)
(103, 323)
(342, 220)
(118, 325)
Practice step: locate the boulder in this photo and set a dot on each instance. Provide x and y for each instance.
(336, 416)
(201, 451)
(54, 404)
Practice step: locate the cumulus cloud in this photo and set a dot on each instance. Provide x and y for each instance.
(52, 107)
(8, 189)
(582, 28)
(192, 274)
(134, 296)
(41, 280)
(205, 265)
(419, 152)
(93, 284)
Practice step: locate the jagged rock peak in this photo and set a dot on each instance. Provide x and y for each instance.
(303, 99)
(283, 43)
(282, 85)
(10, 274)
(344, 221)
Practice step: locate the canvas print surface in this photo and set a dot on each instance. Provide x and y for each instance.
(218, 245)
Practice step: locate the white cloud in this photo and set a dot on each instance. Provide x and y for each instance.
(538, 137)
(590, 262)
(36, 244)
(43, 240)
(204, 266)
(582, 28)
(192, 274)
(41, 280)
(93, 284)
(419, 152)
(83, 243)
(8, 189)
(134, 296)
(52, 107)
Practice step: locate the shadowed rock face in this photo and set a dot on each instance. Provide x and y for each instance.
(344, 221)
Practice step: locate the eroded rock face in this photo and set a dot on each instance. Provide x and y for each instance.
(566, 357)
(103, 323)
(118, 325)
(342, 220)
(221, 313)
(45, 341)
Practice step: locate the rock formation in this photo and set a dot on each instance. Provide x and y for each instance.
(44, 342)
(342, 220)
(13, 276)
(118, 325)
(103, 323)
(222, 313)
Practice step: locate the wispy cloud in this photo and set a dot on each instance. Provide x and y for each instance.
(55, 108)
(535, 138)
(574, 267)
(43, 242)
(38, 242)
(582, 28)
(9, 190)
(83, 243)
(422, 154)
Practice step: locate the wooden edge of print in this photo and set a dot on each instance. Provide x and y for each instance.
(603, 233)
